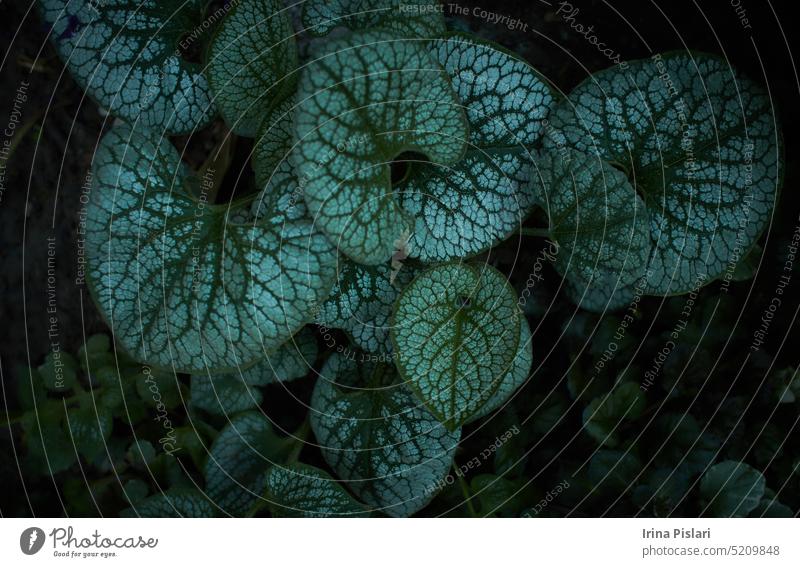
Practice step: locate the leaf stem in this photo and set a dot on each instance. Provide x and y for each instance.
(298, 442)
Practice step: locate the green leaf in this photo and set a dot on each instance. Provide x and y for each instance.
(251, 62)
(303, 491)
(89, 428)
(731, 489)
(698, 140)
(409, 18)
(456, 335)
(59, 371)
(498, 496)
(50, 450)
(226, 394)
(174, 503)
(465, 209)
(516, 376)
(361, 303)
(603, 417)
(771, 508)
(367, 99)
(377, 437)
(126, 55)
(236, 471)
(190, 285)
(614, 472)
(597, 220)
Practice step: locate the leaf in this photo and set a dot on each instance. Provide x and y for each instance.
(409, 18)
(731, 489)
(191, 287)
(699, 141)
(50, 450)
(465, 209)
(58, 371)
(771, 508)
(378, 438)
(227, 394)
(456, 335)
(303, 491)
(236, 471)
(367, 99)
(126, 55)
(252, 62)
(516, 376)
(174, 503)
(499, 496)
(603, 417)
(361, 303)
(614, 472)
(662, 491)
(89, 428)
(597, 220)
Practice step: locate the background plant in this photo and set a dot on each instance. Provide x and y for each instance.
(640, 450)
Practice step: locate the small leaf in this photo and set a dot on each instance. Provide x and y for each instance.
(50, 450)
(771, 508)
(603, 417)
(361, 303)
(614, 472)
(174, 503)
(698, 140)
(190, 287)
(456, 335)
(304, 491)
(464, 209)
(252, 62)
(126, 55)
(236, 471)
(89, 428)
(376, 436)
(367, 99)
(408, 18)
(516, 376)
(731, 489)
(59, 371)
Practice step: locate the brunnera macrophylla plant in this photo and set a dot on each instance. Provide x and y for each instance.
(388, 160)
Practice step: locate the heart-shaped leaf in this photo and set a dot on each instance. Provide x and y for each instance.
(456, 335)
(698, 141)
(227, 394)
(598, 221)
(361, 303)
(462, 210)
(127, 55)
(516, 375)
(375, 435)
(362, 103)
(252, 62)
(186, 283)
(237, 466)
(303, 491)
(732, 489)
(408, 18)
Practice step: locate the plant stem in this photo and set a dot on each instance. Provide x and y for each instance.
(298, 442)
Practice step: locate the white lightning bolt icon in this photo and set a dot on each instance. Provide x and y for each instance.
(34, 537)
